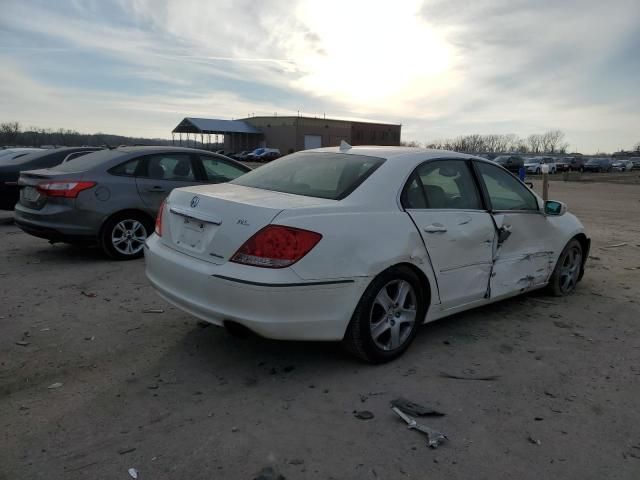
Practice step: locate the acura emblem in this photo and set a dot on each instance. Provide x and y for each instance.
(195, 201)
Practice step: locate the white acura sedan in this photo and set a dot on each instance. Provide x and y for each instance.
(360, 245)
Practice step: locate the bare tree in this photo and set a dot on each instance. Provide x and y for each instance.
(636, 147)
(9, 132)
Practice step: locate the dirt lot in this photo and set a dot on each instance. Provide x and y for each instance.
(160, 393)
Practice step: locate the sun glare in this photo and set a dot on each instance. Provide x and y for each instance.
(371, 52)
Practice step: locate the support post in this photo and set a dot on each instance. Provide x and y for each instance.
(545, 182)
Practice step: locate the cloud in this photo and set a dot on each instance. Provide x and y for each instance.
(441, 68)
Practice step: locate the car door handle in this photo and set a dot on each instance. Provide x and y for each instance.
(435, 228)
(156, 188)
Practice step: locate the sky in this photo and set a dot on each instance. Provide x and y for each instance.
(441, 68)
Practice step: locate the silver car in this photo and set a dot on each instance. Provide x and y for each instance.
(111, 197)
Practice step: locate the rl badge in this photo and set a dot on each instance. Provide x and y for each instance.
(195, 201)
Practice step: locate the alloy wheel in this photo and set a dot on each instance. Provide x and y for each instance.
(393, 315)
(128, 237)
(570, 269)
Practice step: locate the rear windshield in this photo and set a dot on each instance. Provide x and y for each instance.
(322, 175)
(85, 162)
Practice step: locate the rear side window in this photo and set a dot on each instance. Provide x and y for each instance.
(505, 191)
(218, 170)
(442, 184)
(323, 175)
(174, 167)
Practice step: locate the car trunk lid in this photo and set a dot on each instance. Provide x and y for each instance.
(211, 222)
(28, 182)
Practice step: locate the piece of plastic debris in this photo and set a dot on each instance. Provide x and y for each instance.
(122, 451)
(45, 329)
(486, 378)
(434, 438)
(22, 343)
(415, 409)
(153, 310)
(532, 440)
(268, 473)
(363, 414)
(89, 294)
(90, 338)
(234, 429)
(616, 245)
(55, 385)
(133, 473)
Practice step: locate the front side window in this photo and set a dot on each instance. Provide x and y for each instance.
(322, 175)
(442, 184)
(505, 191)
(174, 167)
(218, 170)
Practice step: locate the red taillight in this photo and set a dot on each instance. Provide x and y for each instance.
(159, 219)
(66, 188)
(276, 246)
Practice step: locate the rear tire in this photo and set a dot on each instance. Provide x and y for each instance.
(387, 317)
(123, 235)
(567, 272)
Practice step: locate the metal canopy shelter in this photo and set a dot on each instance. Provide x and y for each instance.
(230, 135)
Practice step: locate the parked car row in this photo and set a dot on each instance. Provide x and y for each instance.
(257, 155)
(534, 165)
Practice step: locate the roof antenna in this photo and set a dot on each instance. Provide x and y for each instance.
(344, 145)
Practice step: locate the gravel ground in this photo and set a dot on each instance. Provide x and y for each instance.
(91, 386)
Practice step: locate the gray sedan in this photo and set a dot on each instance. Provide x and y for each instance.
(111, 197)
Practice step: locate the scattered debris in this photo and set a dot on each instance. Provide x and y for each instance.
(234, 429)
(90, 339)
(616, 245)
(153, 310)
(153, 387)
(268, 473)
(632, 268)
(363, 414)
(538, 419)
(415, 409)
(123, 451)
(486, 378)
(89, 294)
(55, 385)
(535, 441)
(594, 258)
(22, 343)
(562, 325)
(133, 473)
(296, 461)
(45, 329)
(434, 438)
(555, 315)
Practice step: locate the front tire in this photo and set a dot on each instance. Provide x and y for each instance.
(124, 234)
(567, 272)
(387, 317)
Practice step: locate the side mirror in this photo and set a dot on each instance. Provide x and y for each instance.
(551, 207)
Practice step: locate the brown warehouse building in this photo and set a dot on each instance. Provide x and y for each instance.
(288, 134)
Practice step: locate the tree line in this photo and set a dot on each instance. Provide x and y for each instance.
(12, 134)
(551, 141)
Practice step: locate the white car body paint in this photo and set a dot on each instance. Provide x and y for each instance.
(362, 235)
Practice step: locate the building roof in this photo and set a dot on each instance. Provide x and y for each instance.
(214, 125)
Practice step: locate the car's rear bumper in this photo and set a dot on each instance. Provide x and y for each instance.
(57, 223)
(301, 310)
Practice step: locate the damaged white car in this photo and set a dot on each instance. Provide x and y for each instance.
(360, 245)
